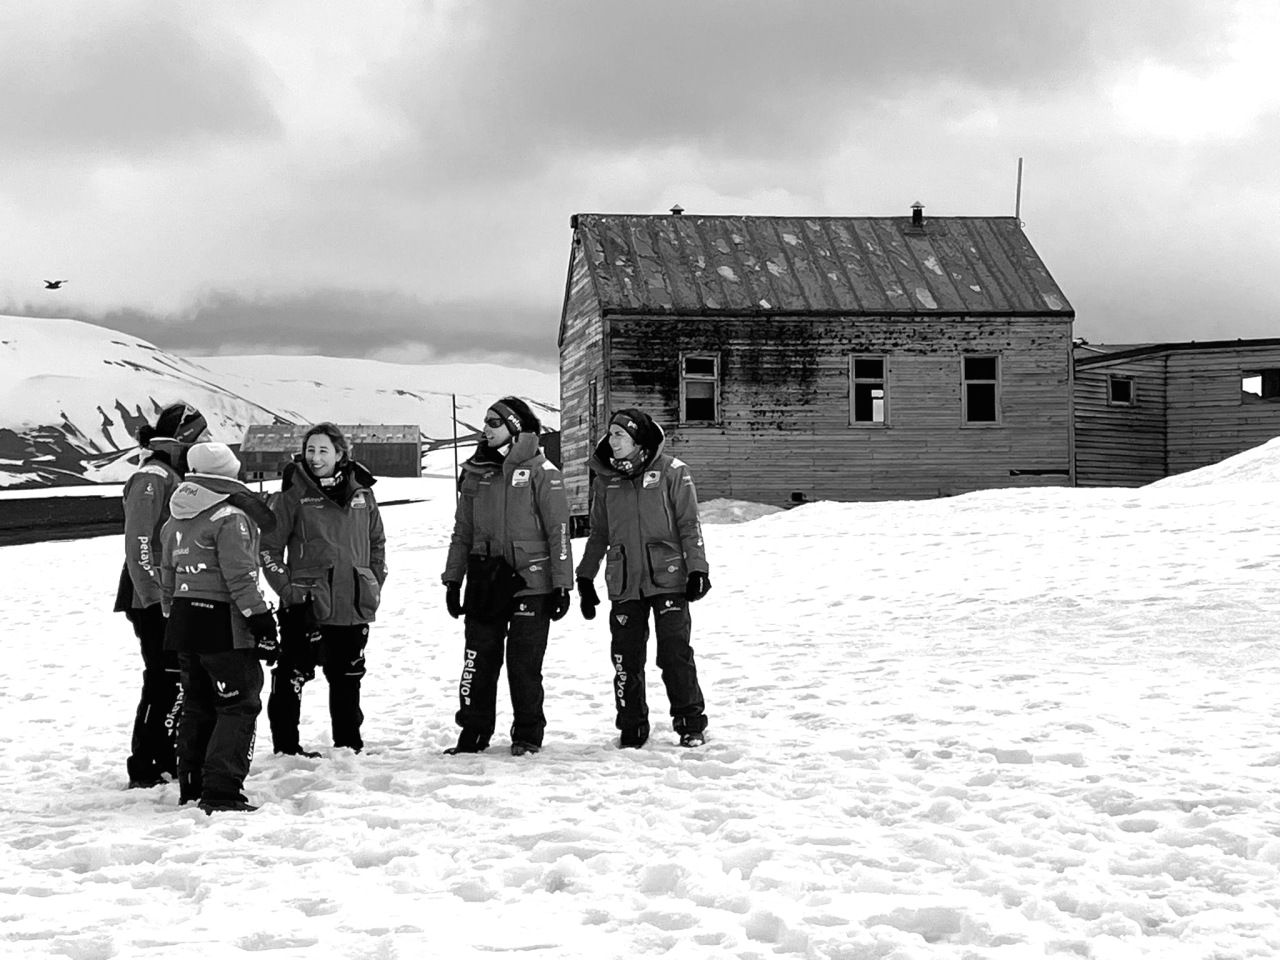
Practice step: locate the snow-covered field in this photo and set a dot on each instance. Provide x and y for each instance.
(1006, 725)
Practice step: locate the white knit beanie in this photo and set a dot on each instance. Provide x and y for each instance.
(213, 459)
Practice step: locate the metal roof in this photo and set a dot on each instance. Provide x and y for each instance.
(798, 266)
(288, 436)
(1123, 352)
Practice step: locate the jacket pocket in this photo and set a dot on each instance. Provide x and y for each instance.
(666, 565)
(316, 587)
(615, 571)
(368, 593)
(533, 562)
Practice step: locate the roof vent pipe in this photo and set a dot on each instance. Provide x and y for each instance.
(917, 214)
(677, 210)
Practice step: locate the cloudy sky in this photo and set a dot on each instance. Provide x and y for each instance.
(394, 178)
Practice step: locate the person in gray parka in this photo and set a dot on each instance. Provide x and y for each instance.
(510, 544)
(327, 560)
(644, 526)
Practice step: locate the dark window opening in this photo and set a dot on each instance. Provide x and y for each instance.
(699, 400)
(700, 387)
(981, 389)
(868, 390)
(1120, 390)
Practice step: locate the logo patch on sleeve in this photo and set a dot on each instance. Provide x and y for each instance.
(520, 478)
(651, 478)
(358, 500)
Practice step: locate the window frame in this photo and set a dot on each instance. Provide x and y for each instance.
(883, 380)
(1248, 373)
(1133, 390)
(997, 382)
(712, 378)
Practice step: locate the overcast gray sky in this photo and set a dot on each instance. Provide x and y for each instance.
(394, 178)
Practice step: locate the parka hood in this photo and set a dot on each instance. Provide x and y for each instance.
(356, 470)
(651, 437)
(523, 449)
(199, 492)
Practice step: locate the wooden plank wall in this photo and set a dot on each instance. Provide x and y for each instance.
(1118, 446)
(581, 358)
(1209, 418)
(785, 404)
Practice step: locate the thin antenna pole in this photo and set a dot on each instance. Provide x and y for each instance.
(456, 491)
(1017, 203)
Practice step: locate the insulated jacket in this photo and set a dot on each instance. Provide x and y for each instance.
(515, 508)
(146, 508)
(644, 525)
(331, 553)
(211, 549)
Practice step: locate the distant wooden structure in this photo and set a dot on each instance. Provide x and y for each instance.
(845, 358)
(1144, 412)
(389, 450)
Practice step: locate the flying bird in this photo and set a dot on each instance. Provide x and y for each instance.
(53, 284)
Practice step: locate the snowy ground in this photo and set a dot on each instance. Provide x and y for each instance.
(1004, 725)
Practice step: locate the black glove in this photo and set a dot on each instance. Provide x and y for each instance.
(453, 598)
(560, 602)
(697, 587)
(588, 599)
(263, 628)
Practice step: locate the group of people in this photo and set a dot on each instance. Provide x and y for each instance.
(196, 538)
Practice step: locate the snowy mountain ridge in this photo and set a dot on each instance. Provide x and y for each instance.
(73, 394)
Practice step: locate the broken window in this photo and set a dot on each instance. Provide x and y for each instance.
(981, 389)
(1259, 385)
(1120, 391)
(700, 387)
(868, 394)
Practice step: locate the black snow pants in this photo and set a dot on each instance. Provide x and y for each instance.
(222, 697)
(155, 723)
(629, 627)
(524, 629)
(339, 650)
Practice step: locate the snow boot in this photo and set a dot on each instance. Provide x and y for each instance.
(520, 748)
(692, 739)
(221, 803)
(634, 739)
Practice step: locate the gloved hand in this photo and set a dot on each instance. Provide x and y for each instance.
(588, 599)
(453, 598)
(697, 587)
(263, 628)
(560, 602)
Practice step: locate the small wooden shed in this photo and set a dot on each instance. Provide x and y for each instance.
(389, 450)
(803, 358)
(1148, 411)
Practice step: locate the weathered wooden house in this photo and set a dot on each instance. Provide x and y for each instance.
(389, 450)
(793, 359)
(1151, 411)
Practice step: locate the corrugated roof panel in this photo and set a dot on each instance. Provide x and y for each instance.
(776, 263)
(737, 290)
(867, 291)
(880, 267)
(821, 265)
(275, 437)
(827, 263)
(795, 243)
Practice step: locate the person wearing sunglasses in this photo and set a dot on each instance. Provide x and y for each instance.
(510, 546)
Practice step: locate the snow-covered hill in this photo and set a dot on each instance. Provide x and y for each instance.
(72, 395)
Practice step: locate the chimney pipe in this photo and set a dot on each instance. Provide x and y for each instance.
(677, 210)
(917, 215)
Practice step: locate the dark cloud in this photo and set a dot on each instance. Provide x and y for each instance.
(125, 77)
(334, 322)
(524, 83)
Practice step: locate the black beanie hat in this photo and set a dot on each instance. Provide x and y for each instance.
(629, 423)
(180, 421)
(526, 421)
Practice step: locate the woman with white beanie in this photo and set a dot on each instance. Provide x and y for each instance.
(219, 624)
